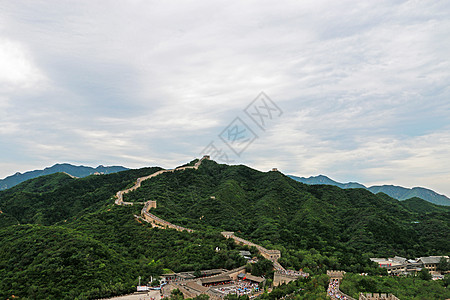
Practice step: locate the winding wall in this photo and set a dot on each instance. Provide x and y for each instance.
(145, 214)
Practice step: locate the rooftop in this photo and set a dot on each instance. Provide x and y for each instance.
(430, 259)
(254, 278)
(215, 279)
(384, 261)
(196, 287)
(398, 259)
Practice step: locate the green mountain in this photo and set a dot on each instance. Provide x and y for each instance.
(421, 206)
(322, 179)
(396, 192)
(64, 238)
(402, 193)
(76, 171)
(268, 207)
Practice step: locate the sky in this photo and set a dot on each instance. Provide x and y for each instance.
(355, 90)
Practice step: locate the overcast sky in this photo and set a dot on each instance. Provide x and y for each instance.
(360, 90)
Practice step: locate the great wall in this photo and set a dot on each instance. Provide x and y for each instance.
(155, 221)
(281, 275)
(145, 214)
(333, 287)
(119, 194)
(335, 293)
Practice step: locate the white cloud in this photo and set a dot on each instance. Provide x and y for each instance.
(16, 67)
(362, 84)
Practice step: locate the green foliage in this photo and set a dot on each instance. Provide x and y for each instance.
(424, 274)
(155, 282)
(176, 294)
(314, 287)
(85, 236)
(131, 249)
(42, 184)
(50, 199)
(85, 214)
(269, 207)
(421, 206)
(7, 220)
(444, 264)
(128, 249)
(262, 267)
(40, 262)
(197, 273)
(236, 297)
(414, 288)
(446, 280)
(201, 297)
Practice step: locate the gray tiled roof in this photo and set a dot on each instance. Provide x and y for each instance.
(430, 260)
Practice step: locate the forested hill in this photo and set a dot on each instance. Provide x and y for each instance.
(421, 206)
(273, 208)
(66, 237)
(397, 192)
(57, 197)
(76, 171)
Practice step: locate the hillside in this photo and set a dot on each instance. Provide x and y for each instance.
(321, 179)
(76, 171)
(396, 192)
(90, 247)
(270, 207)
(90, 238)
(53, 198)
(402, 193)
(421, 206)
(38, 261)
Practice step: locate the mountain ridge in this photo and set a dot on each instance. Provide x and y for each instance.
(394, 191)
(71, 170)
(82, 234)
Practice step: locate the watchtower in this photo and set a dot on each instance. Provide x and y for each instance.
(228, 234)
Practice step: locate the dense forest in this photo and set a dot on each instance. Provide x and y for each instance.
(63, 238)
(273, 209)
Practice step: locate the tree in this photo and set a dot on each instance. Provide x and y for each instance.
(197, 273)
(231, 297)
(424, 274)
(201, 297)
(446, 280)
(236, 297)
(444, 265)
(176, 294)
(262, 267)
(155, 282)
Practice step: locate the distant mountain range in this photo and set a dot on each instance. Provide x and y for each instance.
(397, 192)
(76, 171)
